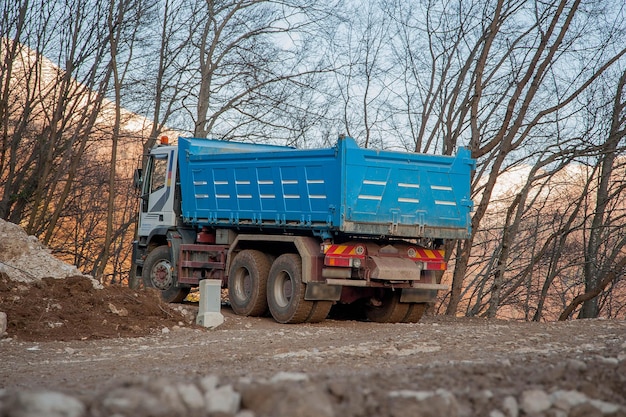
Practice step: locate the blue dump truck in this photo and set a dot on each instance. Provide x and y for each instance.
(293, 232)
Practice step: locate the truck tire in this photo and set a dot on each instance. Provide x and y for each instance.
(387, 308)
(319, 312)
(415, 313)
(285, 290)
(247, 283)
(158, 273)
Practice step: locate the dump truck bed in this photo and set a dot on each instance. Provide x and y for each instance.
(339, 190)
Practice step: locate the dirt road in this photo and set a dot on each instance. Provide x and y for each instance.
(440, 366)
(73, 348)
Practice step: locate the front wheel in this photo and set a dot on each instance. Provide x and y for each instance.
(158, 273)
(285, 290)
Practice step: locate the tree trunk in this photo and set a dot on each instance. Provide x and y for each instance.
(592, 261)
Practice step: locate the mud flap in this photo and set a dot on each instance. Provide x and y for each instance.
(317, 291)
(416, 295)
(395, 268)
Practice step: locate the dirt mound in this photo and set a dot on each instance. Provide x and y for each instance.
(72, 309)
(47, 299)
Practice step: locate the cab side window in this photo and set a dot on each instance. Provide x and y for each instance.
(158, 173)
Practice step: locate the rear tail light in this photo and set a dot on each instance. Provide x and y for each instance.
(349, 256)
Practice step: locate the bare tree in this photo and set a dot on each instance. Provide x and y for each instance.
(506, 111)
(362, 74)
(122, 32)
(47, 112)
(507, 79)
(601, 222)
(53, 105)
(250, 60)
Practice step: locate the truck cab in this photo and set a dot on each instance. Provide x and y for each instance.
(159, 216)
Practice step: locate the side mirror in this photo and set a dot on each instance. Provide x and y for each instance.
(137, 179)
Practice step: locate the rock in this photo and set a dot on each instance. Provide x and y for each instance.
(255, 396)
(132, 401)
(289, 376)
(605, 407)
(44, 403)
(418, 395)
(565, 400)
(161, 397)
(191, 396)
(576, 365)
(584, 410)
(287, 400)
(481, 398)
(348, 396)
(535, 401)
(510, 406)
(223, 400)
(406, 403)
(170, 397)
(121, 311)
(609, 361)
(209, 383)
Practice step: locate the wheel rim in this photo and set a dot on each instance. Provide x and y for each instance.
(161, 275)
(283, 289)
(243, 284)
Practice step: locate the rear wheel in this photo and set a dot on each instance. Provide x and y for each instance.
(247, 283)
(386, 308)
(319, 312)
(415, 313)
(158, 273)
(285, 290)
(416, 310)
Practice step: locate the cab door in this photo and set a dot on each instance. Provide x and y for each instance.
(157, 205)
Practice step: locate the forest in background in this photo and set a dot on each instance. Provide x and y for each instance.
(535, 89)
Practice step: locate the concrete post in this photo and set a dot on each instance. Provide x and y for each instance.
(209, 314)
(3, 323)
